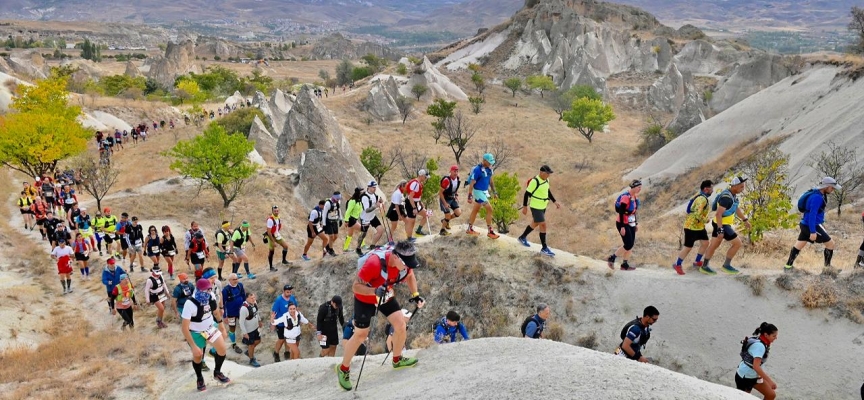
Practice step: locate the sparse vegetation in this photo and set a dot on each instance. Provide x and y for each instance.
(476, 104)
(563, 99)
(478, 81)
(344, 73)
(766, 201)
(442, 110)
(98, 179)
(375, 163)
(503, 211)
(856, 26)
(588, 341)
(240, 121)
(842, 164)
(458, 132)
(819, 294)
(541, 83)
(654, 137)
(419, 90)
(401, 69)
(513, 84)
(405, 107)
(588, 116)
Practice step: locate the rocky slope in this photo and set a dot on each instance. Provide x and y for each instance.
(179, 59)
(338, 47)
(381, 101)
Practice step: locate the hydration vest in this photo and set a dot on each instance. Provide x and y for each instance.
(452, 188)
(203, 309)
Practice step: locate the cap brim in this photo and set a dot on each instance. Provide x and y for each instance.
(410, 261)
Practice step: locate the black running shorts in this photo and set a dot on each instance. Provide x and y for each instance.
(691, 237)
(821, 235)
(364, 312)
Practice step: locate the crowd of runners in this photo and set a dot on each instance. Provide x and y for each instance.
(217, 311)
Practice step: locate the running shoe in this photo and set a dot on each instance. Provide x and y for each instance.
(678, 269)
(251, 276)
(285, 262)
(305, 258)
(546, 252)
(344, 378)
(697, 264)
(707, 270)
(730, 270)
(445, 224)
(213, 351)
(204, 366)
(412, 239)
(472, 232)
(524, 241)
(444, 233)
(610, 262)
(254, 363)
(100, 253)
(492, 234)
(70, 290)
(201, 386)
(627, 267)
(236, 348)
(276, 357)
(420, 233)
(405, 362)
(219, 376)
(787, 268)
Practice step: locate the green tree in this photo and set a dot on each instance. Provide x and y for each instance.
(457, 133)
(375, 163)
(359, 73)
(262, 83)
(188, 90)
(430, 196)
(100, 177)
(114, 85)
(442, 110)
(504, 211)
(842, 164)
(41, 129)
(323, 74)
(654, 136)
(588, 116)
(540, 82)
(405, 106)
(479, 82)
(402, 69)
(240, 121)
(767, 199)
(376, 64)
(513, 84)
(343, 73)
(87, 50)
(856, 27)
(476, 104)
(563, 99)
(419, 90)
(217, 159)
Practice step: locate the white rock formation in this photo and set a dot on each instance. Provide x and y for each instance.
(440, 86)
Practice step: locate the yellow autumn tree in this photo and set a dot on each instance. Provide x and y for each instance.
(41, 128)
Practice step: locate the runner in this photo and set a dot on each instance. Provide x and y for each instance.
(292, 320)
(125, 302)
(448, 199)
(67, 198)
(812, 203)
(859, 263)
(250, 323)
(330, 316)
(48, 192)
(754, 353)
(479, 187)
(626, 207)
(151, 246)
(315, 228)
(216, 293)
(374, 282)
(280, 307)
(98, 229)
(198, 253)
(82, 255)
(223, 236)
(110, 278)
(123, 236)
(72, 216)
(40, 210)
(59, 233)
(199, 328)
(63, 255)
(233, 296)
(157, 294)
(539, 194)
(135, 242)
(168, 248)
(372, 205)
(533, 326)
(414, 205)
(238, 248)
(396, 212)
(636, 334)
(447, 327)
(109, 227)
(333, 215)
(181, 292)
(25, 203)
(353, 209)
(694, 226)
(726, 207)
(274, 237)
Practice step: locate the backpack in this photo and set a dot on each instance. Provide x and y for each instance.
(693, 200)
(470, 177)
(381, 253)
(802, 201)
(531, 194)
(745, 346)
(620, 207)
(645, 336)
(524, 327)
(451, 189)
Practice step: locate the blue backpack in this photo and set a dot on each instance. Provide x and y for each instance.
(802, 201)
(693, 199)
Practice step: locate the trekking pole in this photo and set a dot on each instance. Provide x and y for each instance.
(429, 214)
(386, 224)
(406, 334)
(371, 325)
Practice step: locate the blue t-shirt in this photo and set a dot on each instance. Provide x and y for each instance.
(182, 292)
(280, 306)
(348, 330)
(532, 327)
(757, 350)
(481, 176)
(638, 336)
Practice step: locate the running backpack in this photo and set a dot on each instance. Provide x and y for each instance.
(646, 333)
(692, 200)
(537, 186)
(524, 327)
(745, 347)
(802, 201)
(622, 208)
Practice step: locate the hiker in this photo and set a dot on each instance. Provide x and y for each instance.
(157, 294)
(389, 331)
(274, 237)
(85, 226)
(151, 245)
(538, 194)
(332, 219)
(859, 263)
(396, 211)
(200, 327)
(414, 205)
(190, 234)
(292, 320)
(378, 273)
(626, 207)
(315, 228)
(812, 204)
(447, 327)
(250, 323)
(636, 334)
(109, 228)
(372, 205)
(694, 226)
(181, 292)
(330, 315)
(280, 308)
(63, 254)
(238, 247)
(353, 209)
(533, 326)
(98, 230)
(82, 255)
(726, 207)
(754, 353)
(223, 236)
(448, 199)
(72, 215)
(168, 248)
(135, 242)
(480, 185)
(233, 296)
(25, 202)
(125, 301)
(59, 233)
(110, 278)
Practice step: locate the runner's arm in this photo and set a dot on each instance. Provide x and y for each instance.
(362, 288)
(411, 281)
(463, 332)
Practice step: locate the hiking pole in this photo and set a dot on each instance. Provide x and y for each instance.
(386, 223)
(371, 325)
(406, 334)
(429, 214)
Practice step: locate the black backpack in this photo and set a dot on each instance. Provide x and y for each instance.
(525, 325)
(646, 335)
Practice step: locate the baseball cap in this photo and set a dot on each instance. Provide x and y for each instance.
(124, 276)
(338, 300)
(107, 210)
(454, 168)
(112, 261)
(829, 182)
(423, 172)
(372, 184)
(287, 287)
(406, 251)
(489, 158)
(738, 180)
(82, 208)
(546, 169)
(183, 277)
(203, 284)
(636, 183)
(245, 224)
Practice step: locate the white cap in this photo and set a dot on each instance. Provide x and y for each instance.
(738, 180)
(423, 172)
(829, 182)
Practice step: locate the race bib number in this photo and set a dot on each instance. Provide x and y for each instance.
(211, 334)
(620, 353)
(199, 254)
(172, 253)
(154, 249)
(127, 301)
(428, 213)
(138, 243)
(387, 296)
(631, 220)
(163, 297)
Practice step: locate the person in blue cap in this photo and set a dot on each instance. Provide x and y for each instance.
(480, 186)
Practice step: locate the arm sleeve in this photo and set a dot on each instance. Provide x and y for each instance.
(326, 208)
(303, 319)
(525, 199)
(463, 331)
(341, 316)
(439, 334)
(551, 197)
(148, 284)
(531, 329)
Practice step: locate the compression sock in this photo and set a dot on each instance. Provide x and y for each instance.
(219, 270)
(792, 256)
(232, 338)
(679, 261)
(829, 253)
(86, 271)
(362, 239)
(705, 263)
(171, 269)
(69, 284)
(728, 262)
(698, 258)
(197, 368)
(528, 230)
(219, 361)
(63, 282)
(245, 266)
(347, 244)
(270, 258)
(543, 239)
(284, 254)
(343, 368)
(235, 267)
(82, 271)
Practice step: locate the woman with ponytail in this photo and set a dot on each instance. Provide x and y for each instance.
(754, 354)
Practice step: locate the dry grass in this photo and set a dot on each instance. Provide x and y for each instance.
(819, 294)
(588, 341)
(755, 282)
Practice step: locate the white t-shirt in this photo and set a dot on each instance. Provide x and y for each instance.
(189, 311)
(368, 200)
(315, 215)
(397, 198)
(60, 252)
(294, 332)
